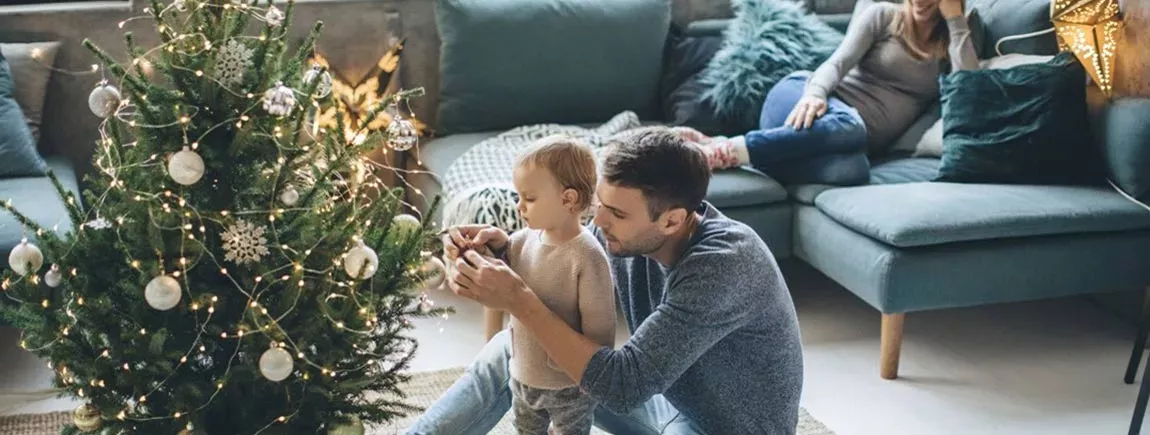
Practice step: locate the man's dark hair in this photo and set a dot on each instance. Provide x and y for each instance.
(670, 172)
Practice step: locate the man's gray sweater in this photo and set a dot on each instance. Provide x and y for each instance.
(716, 334)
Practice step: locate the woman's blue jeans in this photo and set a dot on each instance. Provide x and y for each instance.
(831, 151)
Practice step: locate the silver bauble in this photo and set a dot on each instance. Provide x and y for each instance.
(104, 99)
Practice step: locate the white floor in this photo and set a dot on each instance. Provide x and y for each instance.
(1050, 367)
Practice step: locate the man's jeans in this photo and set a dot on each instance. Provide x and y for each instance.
(480, 398)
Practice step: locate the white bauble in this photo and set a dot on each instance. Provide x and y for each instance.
(316, 73)
(104, 100)
(276, 364)
(25, 258)
(401, 134)
(354, 427)
(289, 196)
(162, 293)
(434, 272)
(360, 261)
(186, 167)
(274, 16)
(53, 277)
(405, 223)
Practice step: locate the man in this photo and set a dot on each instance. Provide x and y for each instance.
(715, 345)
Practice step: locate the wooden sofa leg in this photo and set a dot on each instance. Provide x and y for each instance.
(493, 322)
(891, 343)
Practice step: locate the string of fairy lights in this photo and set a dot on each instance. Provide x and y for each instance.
(192, 230)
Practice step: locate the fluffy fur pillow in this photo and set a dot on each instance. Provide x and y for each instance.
(767, 40)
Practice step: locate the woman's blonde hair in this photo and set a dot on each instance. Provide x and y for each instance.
(903, 27)
(570, 161)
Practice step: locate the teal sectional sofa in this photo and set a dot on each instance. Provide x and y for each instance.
(903, 243)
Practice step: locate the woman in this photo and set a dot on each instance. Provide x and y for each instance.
(817, 127)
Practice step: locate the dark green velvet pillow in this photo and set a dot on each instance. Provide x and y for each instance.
(1023, 125)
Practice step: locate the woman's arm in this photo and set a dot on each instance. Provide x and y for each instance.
(861, 35)
(961, 49)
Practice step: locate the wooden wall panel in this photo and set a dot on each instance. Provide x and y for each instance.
(1132, 67)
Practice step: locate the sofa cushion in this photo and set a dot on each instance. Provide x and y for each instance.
(890, 171)
(921, 214)
(1125, 131)
(506, 63)
(955, 275)
(37, 199)
(18, 155)
(731, 188)
(31, 65)
(1001, 18)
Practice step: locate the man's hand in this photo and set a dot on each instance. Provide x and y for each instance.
(806, 111)
(463, 238)
(950, 8)
(488, 281)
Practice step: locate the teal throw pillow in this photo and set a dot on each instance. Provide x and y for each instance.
(1026, 124)
(767, 40)
(18, 156)
(506, 63)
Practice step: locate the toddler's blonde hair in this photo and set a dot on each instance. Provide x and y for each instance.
(570, 161)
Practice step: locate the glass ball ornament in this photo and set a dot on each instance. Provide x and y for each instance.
(87, 418)
(323, 89)
(274, 16)
(276, 364)
(279, 100)
(289, 196)
(406, 223)
(25, 258)
(401, 134)
(360, 261)
(104, 99)
(162, 293)
(434, 272)
(186, 167)
(53, 277)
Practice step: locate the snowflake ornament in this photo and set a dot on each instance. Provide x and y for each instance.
(234, 58)
(244, 242)
(98, 224)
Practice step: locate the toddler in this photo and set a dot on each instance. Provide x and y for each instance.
(567, 268)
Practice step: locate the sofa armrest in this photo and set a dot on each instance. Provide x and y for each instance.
(1124, 133)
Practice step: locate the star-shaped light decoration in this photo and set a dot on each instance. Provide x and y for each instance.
(1089, 29)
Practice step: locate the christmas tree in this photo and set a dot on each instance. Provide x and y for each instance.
(234, 268)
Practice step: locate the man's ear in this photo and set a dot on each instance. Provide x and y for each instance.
(672, 220)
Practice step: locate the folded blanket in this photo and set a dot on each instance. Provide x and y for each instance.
(478, 186)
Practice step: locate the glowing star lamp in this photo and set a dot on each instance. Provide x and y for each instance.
(1089, 29)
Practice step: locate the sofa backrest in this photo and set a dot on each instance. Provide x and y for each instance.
(353, 41)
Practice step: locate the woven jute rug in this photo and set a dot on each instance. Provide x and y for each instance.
(423, 390)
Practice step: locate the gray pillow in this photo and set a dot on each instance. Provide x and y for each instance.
(31, 76)
(506, 63)
(18, 156)
(1002, 18)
